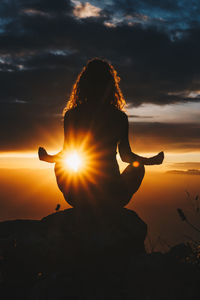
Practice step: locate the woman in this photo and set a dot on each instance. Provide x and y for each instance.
(94, 123)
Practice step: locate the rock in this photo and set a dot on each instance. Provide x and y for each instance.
(69, 237)
(89, 255)
(145, 276)
(118, 231)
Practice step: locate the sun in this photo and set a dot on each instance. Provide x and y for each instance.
(74, 161)
(78, 164)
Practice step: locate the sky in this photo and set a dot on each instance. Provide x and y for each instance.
(154, 46)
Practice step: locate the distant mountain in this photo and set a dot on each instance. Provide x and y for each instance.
(188, 172)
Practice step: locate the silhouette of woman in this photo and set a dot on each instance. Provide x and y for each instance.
(94, 120)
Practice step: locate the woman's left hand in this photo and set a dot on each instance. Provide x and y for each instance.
(42, 153)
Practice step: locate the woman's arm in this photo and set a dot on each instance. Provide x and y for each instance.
(125, 150)
(44, 156)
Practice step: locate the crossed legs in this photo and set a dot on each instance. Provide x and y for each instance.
(115, 193)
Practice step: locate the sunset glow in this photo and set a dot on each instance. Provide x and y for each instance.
(29, 160)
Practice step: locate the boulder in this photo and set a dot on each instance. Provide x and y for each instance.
(79, 255)
(69, 237)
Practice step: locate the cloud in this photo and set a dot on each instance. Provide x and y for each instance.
(138, 117)
(27, 125)
(132, 6)
(177, 137)
(188, 172)
(32, 12)
(147, 76)
(85, 10)
(153, 68)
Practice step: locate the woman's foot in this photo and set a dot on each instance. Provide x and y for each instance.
(157, 159)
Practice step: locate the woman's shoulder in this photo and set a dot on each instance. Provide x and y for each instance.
(120, 113)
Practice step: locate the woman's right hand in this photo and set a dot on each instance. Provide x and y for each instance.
(157, 159)
(42, 153)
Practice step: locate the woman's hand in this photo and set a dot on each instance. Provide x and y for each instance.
(42, 153)
(157, 159)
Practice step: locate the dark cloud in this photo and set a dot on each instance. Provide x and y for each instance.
(50, 6)
(44, 46)
(11, 8)
(130, 7)
(27, 127)
(148, 137)
(150, 63)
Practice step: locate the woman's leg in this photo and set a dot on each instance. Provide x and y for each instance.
(131, 179)
(60, 177)
(72, 188)
(62, 180)
(113, 193)
(118, 191)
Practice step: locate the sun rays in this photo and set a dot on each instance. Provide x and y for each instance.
(74, 161)
(79, 169)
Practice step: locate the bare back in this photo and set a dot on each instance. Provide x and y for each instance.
(104, 124)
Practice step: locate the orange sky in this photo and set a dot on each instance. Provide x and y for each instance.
(28, 186)
(33, 193)
(19, 159)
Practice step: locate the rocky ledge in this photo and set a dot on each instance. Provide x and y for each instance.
(89, 255)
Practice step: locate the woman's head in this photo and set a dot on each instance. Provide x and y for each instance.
(97, 83)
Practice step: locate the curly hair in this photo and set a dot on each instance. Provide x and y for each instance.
(97, 82)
